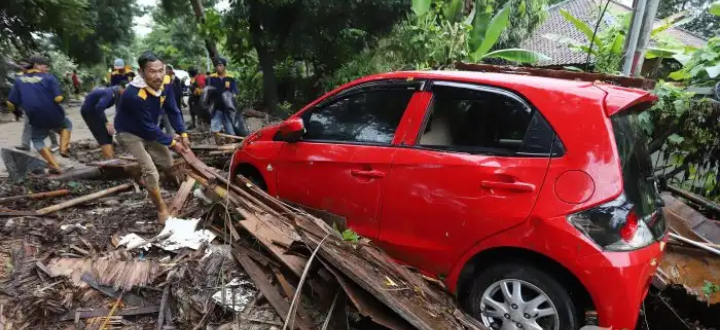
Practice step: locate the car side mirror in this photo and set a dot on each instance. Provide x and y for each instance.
(291, 130)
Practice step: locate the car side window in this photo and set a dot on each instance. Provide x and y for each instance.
(363, 116)
(482, 121)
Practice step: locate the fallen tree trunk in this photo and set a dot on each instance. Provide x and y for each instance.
(84, 199)
(47, 194)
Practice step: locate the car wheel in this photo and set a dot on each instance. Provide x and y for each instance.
(519, 296)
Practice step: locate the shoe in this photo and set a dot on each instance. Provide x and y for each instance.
(23, 148)
(50, 159)
(64, 143)
(162, 210)
(107, 151)
(219, 140)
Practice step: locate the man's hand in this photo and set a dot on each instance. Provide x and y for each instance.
(179, 148)
(110, 128)
(186, 142)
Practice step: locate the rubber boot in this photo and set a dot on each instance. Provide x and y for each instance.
(48, 156)
(107, 151)
(65, 143)
(160, 205)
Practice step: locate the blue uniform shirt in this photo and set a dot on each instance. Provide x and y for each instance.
(39, 95)
(138, 114)
(222, 84)
(98, 101)
(171, 107)
(117, 77)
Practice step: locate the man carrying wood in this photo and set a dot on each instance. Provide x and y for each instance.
(93, 113)
(38, 93)
(136, 123)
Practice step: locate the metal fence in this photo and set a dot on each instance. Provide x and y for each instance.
(700, 176)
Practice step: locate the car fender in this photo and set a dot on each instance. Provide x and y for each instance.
(261, 155)
(553, 238)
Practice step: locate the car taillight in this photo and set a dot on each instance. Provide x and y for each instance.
(614, 226)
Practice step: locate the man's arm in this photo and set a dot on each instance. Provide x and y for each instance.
(14, 99)
(151, 130)
(55, 88)
(105, 101)
(233, 86)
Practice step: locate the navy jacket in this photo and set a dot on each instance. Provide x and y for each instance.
(138, 114)
(222, 84)
(39, 95)
(98, 101)
(171, 107)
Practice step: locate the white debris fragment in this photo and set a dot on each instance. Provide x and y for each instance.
(133, 240)
(184, 234)
(198, 193)
(236, 295)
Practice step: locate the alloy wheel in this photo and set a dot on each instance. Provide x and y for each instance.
(511, 304)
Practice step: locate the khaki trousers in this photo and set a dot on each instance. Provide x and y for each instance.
(148, 154)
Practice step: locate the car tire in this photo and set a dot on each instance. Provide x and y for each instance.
(530, 278)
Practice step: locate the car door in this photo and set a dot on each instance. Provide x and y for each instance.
(342, 162)
(473, 168)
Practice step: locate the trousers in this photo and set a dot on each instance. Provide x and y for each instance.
(27, 135)
(38, 135)
(148, 154)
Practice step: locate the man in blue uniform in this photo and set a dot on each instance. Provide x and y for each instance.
(27, 129)
(38, 93)
(121, 73)
(93, 113)
(222, 117)
(136, 124)
(174, 96)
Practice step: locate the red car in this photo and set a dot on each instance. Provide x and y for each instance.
(532, 198)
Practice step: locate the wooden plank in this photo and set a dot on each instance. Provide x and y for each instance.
(105, 312)
(688, 222)
(269, 291)
(47, 194)
(84, 199)
(182, 195)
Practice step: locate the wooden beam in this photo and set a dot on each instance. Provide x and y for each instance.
(84, 199)
(47, 194)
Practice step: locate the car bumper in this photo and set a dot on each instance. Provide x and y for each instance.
(618, 283)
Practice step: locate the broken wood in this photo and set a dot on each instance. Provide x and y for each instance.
(269, 291)
(47, 194)
(688, 222)
(84, 199)
(105, 312)
(234, 137)
(695, 198)
(163, 306)
(182, 195)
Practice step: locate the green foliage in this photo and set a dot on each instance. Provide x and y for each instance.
(20, 19)
(715, 8)
(177, 40)
(701, 20)
(710, 288)
(701, 67)
(350, 235)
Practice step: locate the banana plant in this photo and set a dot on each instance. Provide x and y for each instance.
(485, 32)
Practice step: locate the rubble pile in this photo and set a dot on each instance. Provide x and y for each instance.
(83, 250)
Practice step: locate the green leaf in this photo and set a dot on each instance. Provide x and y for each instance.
(618, 43)
(653, 52)
(675, 139)
(479, 27)
(715, 8)
(580, 25)
(452, 10)
(518, 55)
(494, 30)
(713, 71)
(421, 7)
(682, 58)
(350, 236)
(681, 74)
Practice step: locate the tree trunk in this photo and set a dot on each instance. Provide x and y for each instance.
(267, 62)
(200, 15)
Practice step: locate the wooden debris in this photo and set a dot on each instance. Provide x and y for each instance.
(84, 199)
(268, 290)
(688, 222)
(182, 195)
(163, 306)
(118, 274)
(695, 198)
(47, 194)
(104, 312)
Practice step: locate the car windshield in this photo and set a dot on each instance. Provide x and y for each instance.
(640, 186)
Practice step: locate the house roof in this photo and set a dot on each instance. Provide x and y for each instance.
(588, 11)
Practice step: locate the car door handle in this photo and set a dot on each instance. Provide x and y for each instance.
(367, 174)
(514, 186)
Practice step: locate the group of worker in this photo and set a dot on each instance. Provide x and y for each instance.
(143, 103)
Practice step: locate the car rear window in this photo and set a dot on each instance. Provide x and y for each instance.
(640, 186)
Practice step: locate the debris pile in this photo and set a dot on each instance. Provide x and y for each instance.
(86, 252)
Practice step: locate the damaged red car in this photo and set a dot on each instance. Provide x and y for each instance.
(532, 198)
